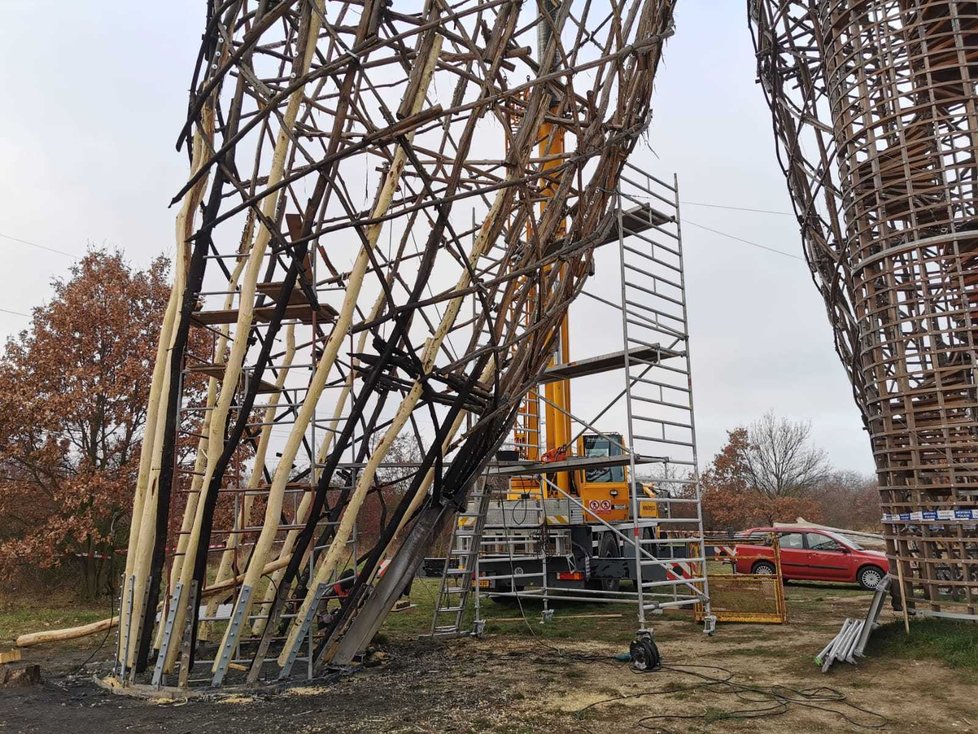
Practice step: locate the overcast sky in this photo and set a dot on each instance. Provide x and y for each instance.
(95, 93)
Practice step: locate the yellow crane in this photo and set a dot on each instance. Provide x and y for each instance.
(604, 493)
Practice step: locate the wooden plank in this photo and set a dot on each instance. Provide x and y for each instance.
(10, 656)
(605, 363)
(301, 312)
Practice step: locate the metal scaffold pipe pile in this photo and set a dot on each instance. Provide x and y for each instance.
(381, 239)
(875, 117)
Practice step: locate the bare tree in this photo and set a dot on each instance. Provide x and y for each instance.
(781, 462)
(850, 500)
(670, 479)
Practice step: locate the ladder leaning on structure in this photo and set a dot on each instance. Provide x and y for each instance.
(460, 564)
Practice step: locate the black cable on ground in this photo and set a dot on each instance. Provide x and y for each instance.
(537, 639)
(763, 701)
(105, 637)
(551, 650)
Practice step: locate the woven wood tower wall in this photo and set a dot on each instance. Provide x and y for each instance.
(876, 120)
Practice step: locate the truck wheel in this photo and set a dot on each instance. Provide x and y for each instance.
(869, 577)
(764, 568)
(608, 548)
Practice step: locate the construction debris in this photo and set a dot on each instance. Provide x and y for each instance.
(851, 641)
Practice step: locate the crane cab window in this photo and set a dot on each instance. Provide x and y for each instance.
(601, 446)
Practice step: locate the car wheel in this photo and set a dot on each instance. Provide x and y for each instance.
(764, 568)
(869, 577)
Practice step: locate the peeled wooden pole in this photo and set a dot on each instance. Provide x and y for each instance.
(302, 512)
(347, 641)
(246, 299)
(200, 459)
(192, 497)
(143, 527)
(261, 452)
(306, 503)
(242, 520)
(69, 633)
(338, 334)
(416, 501)
(327, 565)
(485, 377)
(73, 633)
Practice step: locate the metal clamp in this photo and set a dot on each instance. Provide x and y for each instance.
(167, 634)
(231, 640)
(317, 599)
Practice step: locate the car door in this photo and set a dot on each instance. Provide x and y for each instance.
(794, 557)
(826, 558)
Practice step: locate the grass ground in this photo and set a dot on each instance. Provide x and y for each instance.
(23, 614)
(952, 643)
(604, 622)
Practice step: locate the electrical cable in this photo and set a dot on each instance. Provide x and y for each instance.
(736, 208)
(775, 700)
(552, 650)
(742, 240)
(730, 236)
(104, 637)
(40, 247)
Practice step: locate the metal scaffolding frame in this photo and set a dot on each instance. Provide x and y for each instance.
(517, 546)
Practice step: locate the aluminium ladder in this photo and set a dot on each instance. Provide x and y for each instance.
(460, 564)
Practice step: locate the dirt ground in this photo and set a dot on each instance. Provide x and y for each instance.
(745, 678)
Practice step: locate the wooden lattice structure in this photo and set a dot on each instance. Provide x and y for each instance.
(364, 235)
(876, 120)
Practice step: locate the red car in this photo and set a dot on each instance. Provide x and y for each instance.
(813, 555)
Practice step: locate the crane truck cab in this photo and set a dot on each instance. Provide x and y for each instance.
(605, 491)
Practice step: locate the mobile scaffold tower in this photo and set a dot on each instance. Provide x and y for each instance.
(876, 120)
(626, 524)
(361, 174)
